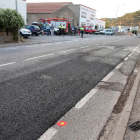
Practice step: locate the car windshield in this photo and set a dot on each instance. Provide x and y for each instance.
(27, 26)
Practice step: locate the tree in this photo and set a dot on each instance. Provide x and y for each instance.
(11, 20)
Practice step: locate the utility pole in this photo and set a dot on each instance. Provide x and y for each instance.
(16, 5)
(116, 14)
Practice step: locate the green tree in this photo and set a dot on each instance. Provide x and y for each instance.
(11, 20)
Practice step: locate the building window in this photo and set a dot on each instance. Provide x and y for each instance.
(92, 17)
(83, 23)
(83, 15)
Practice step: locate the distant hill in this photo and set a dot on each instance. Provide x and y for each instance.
(129, 19)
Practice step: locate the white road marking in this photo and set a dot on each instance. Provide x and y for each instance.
(85, 47)
(49, 134)
(58, 42)
(118, 66)
(67, 51)
(108, 76)
(7, 64)
(125, 49)
(126, 58)
(85, 99)
(129, 55)
(12, 48)
(38, 57)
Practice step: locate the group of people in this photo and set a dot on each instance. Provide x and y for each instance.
(46, 28)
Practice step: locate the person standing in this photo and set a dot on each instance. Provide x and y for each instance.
(60, 29)
(63, 29)
(48, 29)
(82, 31)
(79, 30)
(52, 29)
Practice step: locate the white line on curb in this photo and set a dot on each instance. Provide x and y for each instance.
(129, 55)
(126, 58)
(85, 99)
(117, 67)
(38, 57)
(7, 64)
(108, 76)
(48, 134)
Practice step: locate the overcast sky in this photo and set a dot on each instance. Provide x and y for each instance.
(104, 8)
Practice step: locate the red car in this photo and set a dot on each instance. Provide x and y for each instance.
(88, 29)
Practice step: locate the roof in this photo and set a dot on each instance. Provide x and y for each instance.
(46, 7)
(82, 5)
(100, 19)
(87, 7)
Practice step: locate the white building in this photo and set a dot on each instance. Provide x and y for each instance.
(100, 24)
(85, 15)
(21, 6)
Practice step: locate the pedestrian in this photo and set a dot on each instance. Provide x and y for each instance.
(42, 28)
(60, 29)
(52, 29)
(82, 31)
(79, 30)
(48, 29)
(63, 29)
(72, 30)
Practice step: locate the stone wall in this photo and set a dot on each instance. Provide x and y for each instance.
(65, 12)
(35, 17)
(6, 38)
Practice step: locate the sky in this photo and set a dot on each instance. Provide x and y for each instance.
(104, 8)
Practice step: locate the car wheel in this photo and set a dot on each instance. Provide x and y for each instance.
(37, 34)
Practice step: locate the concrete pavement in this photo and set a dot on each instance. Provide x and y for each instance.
(39, 89)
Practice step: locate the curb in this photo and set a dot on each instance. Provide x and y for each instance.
(124, 118)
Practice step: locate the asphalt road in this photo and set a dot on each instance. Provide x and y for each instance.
(40, 83)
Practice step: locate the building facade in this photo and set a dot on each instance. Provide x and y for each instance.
(100, 24)
(35, 11)
(21, 6)
(85, 15)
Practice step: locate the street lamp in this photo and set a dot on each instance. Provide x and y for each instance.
(16, 5)
(116, 13)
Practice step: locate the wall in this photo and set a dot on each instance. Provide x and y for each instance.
(76, 10)
(65, 12)
(12, 5)
(6, 38)
(87, 20)
(100, 24)
(35, 17)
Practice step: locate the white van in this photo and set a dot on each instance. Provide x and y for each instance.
(109, 31)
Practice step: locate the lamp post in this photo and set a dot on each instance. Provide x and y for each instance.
(116, 13)
(16, 5)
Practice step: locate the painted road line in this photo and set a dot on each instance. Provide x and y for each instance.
(67, 51)
(49, 134)
(129, 55)
(85, 99)
(125, 49)
(7, 64)
(38, 57)
(12, 48)
(126, 58)
(85, 47)
(108, 76)
(118, 66)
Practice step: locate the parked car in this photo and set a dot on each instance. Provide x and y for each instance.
(35, 23)
(34, 29)
(109, 31)
(88, 29)
(25, 32)
(102, 32)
